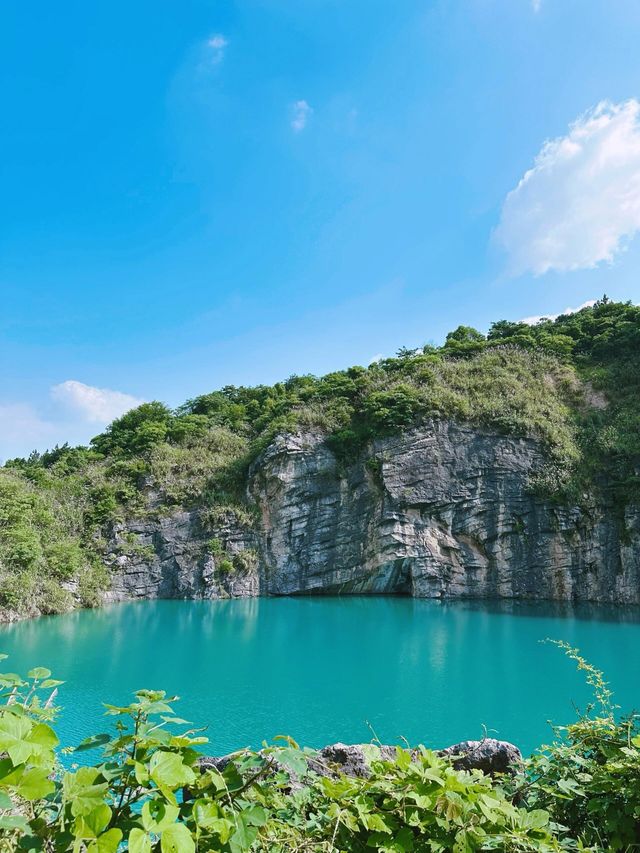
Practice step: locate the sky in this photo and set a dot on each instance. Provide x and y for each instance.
(218, 192)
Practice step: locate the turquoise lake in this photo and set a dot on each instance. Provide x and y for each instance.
(328, 669)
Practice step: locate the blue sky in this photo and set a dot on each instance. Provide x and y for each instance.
(203, 193)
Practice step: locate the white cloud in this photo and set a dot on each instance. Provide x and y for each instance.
(580, 203)
(531, 321)
(21, 427)
(301, 114)
(95, 405)
(536, 5)
(217, 44)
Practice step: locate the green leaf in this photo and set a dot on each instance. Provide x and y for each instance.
(570, 786)
(403, 841)
(81, 790)
(39, 673)
(141, 773)
(13, 822)
(139, 841)
(206, 813)
(167, 769)
(43, 735)
(35, 784)
(537, 818)
(157, 815)
(177, 839)
(243, 837)
(50, 683)
(13, 731)
(92, 824)
(10, 679)
(159, 708)
(255, 815)
(293, 759)
(108, 842)
(92, 742)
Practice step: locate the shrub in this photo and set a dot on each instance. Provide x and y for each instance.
(226, 566)
(589, 778)
(389, 411)
(135, 432)
(41, 542)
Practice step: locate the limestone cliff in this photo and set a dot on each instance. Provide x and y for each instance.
(439, 511)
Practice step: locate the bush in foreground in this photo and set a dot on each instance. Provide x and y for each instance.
(148, 792)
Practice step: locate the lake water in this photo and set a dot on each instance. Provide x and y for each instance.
(328, 669)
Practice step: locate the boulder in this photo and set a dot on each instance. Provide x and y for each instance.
(349, 759)
(489, 755)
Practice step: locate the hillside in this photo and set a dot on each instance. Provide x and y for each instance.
(569, 387)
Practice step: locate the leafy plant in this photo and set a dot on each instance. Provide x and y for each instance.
(149, 793)
(589, 778)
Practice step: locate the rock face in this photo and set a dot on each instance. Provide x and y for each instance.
(350, 759)
(489, 755)
(175, 557)
(440, 511)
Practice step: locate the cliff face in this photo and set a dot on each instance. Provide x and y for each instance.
(440, 511)
(173, 558)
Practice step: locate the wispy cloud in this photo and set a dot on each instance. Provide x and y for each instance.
(94, 405)
(300, 115)
(22, 427)
(536, 5)
(78, 409)
(216, 46)
(531, 321)
(579, 204)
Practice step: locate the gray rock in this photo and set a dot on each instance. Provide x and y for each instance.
(211, 762)
(489, 755)
(349, 759)
(170, 558)
(443, 511)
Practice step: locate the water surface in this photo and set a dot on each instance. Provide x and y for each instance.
(327, 669)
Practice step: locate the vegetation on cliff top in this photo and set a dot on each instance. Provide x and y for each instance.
(148, 793)
(572, 383)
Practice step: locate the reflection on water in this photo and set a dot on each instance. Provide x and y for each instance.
(556, 609)
(324, 669)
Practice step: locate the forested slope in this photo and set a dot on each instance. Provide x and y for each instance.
(572, 384)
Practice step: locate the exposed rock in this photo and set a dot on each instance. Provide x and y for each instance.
(211, 762)
(441, 511)
(349, 759)
(489, 755)
(171, 557)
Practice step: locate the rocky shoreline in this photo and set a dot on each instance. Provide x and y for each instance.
(491, 756)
